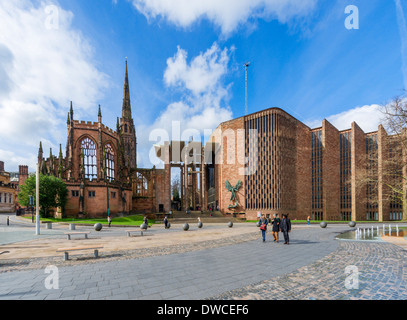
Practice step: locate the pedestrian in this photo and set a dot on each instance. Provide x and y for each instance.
(145, 220)
(276, 227)
(285, 228)
(263, 227)
(166, 222)
(109, 220)
(308, 220)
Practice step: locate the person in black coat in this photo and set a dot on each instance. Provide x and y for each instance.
(276, 226)
(285, 227)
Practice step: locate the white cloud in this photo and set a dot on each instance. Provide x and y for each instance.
(202, 75)
(204, 102)
(44, 64)
(228, 15)
(367, 118)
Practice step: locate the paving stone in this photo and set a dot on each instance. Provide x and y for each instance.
(312, 267)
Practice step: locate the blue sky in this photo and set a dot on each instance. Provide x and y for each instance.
(186, 61)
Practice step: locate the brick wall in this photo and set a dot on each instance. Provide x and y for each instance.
(331, 172)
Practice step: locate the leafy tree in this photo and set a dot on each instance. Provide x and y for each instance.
(53, 193)
(175, 190)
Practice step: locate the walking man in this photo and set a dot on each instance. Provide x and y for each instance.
(276, 226)
(285, 227)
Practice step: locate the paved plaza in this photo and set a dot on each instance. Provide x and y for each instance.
(212, 263)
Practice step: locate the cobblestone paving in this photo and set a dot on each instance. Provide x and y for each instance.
(382, 275)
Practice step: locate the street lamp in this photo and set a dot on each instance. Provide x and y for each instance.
(246, 65)
(37, 202)
(32, 207)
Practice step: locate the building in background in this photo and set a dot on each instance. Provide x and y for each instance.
(8, 191)
(283, 166)
(100, 168)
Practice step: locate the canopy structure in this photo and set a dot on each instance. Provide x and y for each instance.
(189, 158)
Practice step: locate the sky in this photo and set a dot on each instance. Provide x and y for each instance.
(338, 60)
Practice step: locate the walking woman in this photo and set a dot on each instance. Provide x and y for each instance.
(263, 227)
(285, 227)
(276, 226)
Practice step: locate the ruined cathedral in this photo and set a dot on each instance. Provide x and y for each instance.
(100, 168)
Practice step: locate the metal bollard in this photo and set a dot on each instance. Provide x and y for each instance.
(8, 220)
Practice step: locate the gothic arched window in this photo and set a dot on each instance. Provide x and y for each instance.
(141, 185)
(109, 153)
(88, 149)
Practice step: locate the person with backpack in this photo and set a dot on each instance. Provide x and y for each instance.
(263, 227)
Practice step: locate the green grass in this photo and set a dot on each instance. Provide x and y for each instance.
(135, 220)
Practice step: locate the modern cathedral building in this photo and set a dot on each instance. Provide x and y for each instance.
(277, 164)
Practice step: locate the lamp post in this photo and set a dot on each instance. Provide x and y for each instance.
(32, 207)
(108, 207)
(246, 65)
(37, 201)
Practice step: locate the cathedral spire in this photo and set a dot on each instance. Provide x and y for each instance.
(126, 110)
(100, 115)
(40, 154)
(71, 111)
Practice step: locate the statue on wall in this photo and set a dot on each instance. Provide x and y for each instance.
(233, 191)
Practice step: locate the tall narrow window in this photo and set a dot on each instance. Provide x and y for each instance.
(141, 185)
(88, 150)
(109, 162)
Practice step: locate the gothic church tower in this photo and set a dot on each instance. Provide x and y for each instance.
(128, 131)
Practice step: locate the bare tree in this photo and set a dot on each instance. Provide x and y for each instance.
(383, 172)
(395, 122)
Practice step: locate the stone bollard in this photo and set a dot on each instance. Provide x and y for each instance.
(71, 226)
(323, 224)
(49, 225)
(143, 228)
(230, 224)
(185, 227)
